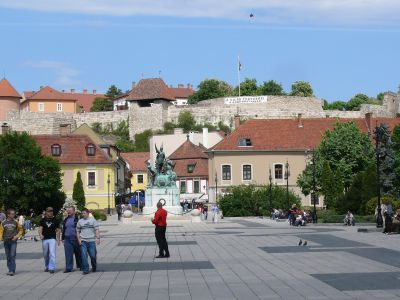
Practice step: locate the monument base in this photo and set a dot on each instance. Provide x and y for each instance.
(169, 194)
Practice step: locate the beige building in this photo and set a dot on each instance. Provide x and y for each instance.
(9, 99)
(254, 148)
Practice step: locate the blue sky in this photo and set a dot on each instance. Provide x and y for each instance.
(342, 47)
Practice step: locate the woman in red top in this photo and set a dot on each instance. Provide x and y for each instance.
(160, 220)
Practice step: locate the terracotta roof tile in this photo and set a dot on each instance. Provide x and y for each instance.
(73, 149)
(136, 160)
(181, 92)
(48, 93)
(151, 89)
(200, 169)
(188, 150)
(85, 100)
(7, 90)
(284, 134)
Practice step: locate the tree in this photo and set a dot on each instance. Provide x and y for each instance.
(355, 102)
(331, 185)
(247, 88)
(210, 89)
(186, 120)
(142, 141)
(337, 105)
(396, 150)
(380, 97)
(113, 92)
(101, 104)
(302, 89)
(28, 178)
(78, 194)
(271, 87)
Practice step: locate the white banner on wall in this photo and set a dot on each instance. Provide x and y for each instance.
(246, 100)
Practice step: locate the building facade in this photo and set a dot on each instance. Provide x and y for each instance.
(79, 153)
(9, 99)
(137, 166)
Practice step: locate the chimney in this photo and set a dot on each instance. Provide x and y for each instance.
(236, 121)
(94, 92)
(85, 91)
(41, 87)
(181, 86)
(300, 120)
(63, 91)
(191, 136)
(205, 137)
(188, 86)
(72, 91)
(133, 84)
(368, 121)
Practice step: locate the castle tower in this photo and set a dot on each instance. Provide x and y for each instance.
(9, 99)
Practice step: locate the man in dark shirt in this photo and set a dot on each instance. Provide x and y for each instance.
(160, 220)
(69, 238)
(49, 232)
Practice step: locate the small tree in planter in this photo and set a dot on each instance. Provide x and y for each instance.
(78, 194)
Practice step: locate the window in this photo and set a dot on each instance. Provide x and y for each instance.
(140, 179)
(226, 172)
(279, 171)
(244, 142)
(183, 186)
(196, 186)
(59, 107)
(90, 150)
(190, 168)
(246, 172)
(91, 179)
(56, 150)
(41, 106)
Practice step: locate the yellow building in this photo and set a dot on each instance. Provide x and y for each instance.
(79, 153)
(137, 165)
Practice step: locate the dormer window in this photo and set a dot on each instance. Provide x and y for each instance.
(55, 150)
(190, 168)
(244, 142)
(90, 150)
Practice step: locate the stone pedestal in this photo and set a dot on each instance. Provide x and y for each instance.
(127, 217)
(169, 194)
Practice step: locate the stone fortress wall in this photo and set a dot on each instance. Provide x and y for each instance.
(210, 111)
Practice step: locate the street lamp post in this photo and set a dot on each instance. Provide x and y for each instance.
(314, 195)
(270, 189)
(378, 138)
(216, 187)
(287, 174)
(108, 194)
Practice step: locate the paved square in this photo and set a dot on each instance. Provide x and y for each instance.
(237, 258)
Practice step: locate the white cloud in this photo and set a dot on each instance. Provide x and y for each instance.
(281, 12)
(64, 74)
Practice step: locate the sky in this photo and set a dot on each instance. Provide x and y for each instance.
(342, 47)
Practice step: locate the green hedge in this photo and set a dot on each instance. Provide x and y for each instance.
(331, 216)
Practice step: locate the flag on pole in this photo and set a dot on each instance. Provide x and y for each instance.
(239, 65)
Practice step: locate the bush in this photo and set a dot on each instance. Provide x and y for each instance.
(251, 200)
(332, 216)
(373, 202)
(99, 215)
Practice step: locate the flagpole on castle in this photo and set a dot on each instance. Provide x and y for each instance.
(239, 68)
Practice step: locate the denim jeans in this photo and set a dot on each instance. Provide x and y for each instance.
(71, 247)
(89, 248)
(10, 248)
(27, 225)
(49, 253)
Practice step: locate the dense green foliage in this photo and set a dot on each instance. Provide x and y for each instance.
(354, 103)
(113, 92)
(210, 89)
(251, 200)
(302, 89)
(99, 215)
(101, 104)
(78, 193)
(372, 203)
(271, 87)
(28, 178)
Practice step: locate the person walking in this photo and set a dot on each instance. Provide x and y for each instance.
(49, 233)
(215, 211)
(160, 221)
(10, 232)
(88, 235)
(70, 241)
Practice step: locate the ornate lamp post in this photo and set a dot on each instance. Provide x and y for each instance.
(108, 194)
(270, 189)
(216, 187)
(314, 195)
(287, 175)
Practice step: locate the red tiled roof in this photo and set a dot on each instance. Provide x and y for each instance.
(7, 90)
(85, 100)
(188, 150)
(200, 169)
(136, 160)
(151, 89)
(284, 134)
(181, 92)
(73, 149)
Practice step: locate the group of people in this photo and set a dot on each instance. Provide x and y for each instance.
(392, 222)
(297, 217)
(78, 235)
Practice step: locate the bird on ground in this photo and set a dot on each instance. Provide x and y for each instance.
(300, 242)
(305, 243)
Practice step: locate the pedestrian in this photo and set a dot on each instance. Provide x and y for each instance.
(49, 233)
(215, 211)
(70, 241)
(205, 212)
(88, 235)
(119, 211)
(160, 221)
(10, 232)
